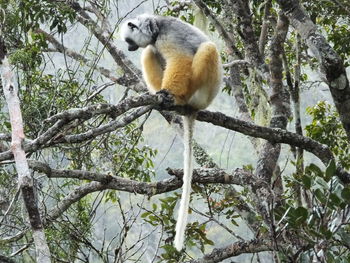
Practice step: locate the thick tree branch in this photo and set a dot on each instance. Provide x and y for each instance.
(280, 105)
(265, 27)
(273, 135)
(63, 118)
(25, 181)
(279, 98)
(108, 109)
(107, 181)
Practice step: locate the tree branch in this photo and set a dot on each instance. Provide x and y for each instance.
(274, 135)
(109, 127)
(265, 27)
(107, 181)
(202, 176)
(235, 249)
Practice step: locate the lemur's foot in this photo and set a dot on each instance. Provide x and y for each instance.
(168, 99)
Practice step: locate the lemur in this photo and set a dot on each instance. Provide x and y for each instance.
(178, 58)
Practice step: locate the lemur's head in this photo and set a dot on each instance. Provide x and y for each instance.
(140, 31)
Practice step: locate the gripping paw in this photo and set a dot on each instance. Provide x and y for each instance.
(166, 97)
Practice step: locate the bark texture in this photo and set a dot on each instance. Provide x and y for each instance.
(25, 180)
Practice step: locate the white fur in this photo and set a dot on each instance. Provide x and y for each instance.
(188, 123)
(135, 34)
(125, 30)
(203, 97)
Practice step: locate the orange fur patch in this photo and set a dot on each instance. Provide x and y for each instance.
(152, 70)
(177, 77)
(184, 74)
(205, 66)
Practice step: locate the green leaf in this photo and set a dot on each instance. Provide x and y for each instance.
(313, 168)
(209, 242)
(146, 214)
(154, 206)
(330, 170)
(326, 232)
(301, 214)
(234, 222)
(345, 194)
(8, 125)
(334, 200)
(306, 181)
(320, 196)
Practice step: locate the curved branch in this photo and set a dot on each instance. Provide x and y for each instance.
(107, 181)
(77, 194)
(274, 135)
(202, 176)
(109, 127)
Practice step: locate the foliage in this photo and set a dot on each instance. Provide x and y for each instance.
(334, 18)
(324, 223)
(326, 128)
(163, 215)
(68, 236)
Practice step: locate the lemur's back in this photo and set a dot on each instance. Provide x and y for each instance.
(180, 34)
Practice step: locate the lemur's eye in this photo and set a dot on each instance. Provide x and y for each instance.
(132, 26)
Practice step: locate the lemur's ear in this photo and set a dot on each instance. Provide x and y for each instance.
(152, 28)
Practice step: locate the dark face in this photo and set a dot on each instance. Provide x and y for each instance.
(132, 46)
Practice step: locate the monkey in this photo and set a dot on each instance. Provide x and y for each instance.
(180, 59)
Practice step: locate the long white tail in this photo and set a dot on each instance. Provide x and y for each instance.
(188, 125)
